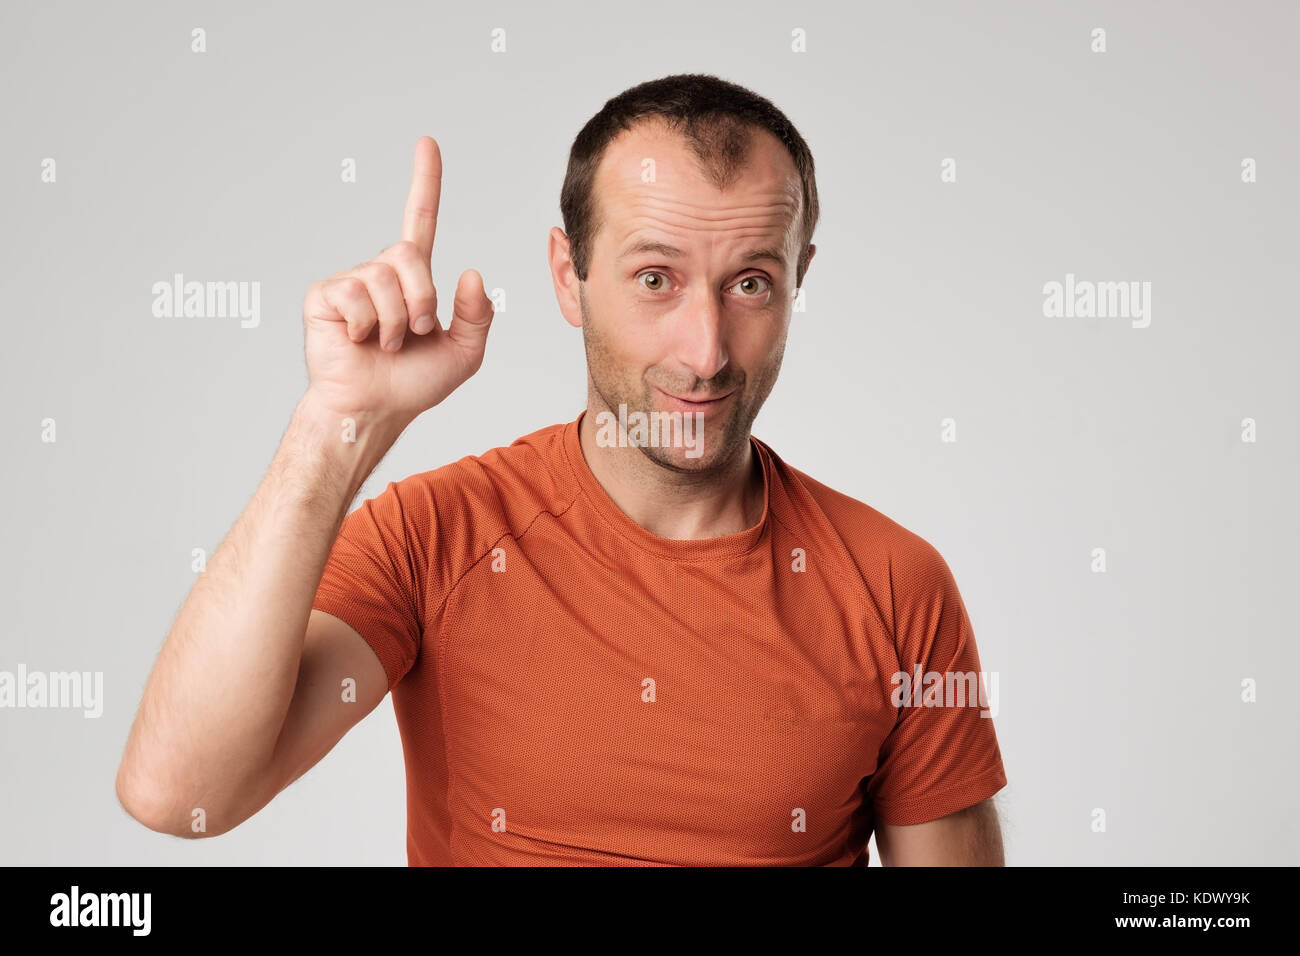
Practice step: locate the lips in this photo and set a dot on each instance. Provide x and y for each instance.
(694, 404)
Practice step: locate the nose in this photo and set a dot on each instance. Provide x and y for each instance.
(699, 334)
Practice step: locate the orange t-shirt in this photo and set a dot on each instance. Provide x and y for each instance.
(573, 689)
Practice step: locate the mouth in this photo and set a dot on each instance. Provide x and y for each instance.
(694, 405)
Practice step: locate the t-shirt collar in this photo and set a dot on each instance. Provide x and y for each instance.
(691, 549)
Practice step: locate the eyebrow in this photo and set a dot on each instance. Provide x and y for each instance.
(672, 252)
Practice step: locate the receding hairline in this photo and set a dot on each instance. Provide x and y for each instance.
(721, 147)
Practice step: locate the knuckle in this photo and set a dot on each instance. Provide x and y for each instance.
(374, 270)
(405, 250)
(352, 287)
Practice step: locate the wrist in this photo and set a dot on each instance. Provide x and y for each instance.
(348, 424)
(352, 442)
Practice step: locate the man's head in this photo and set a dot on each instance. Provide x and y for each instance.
(689, 207)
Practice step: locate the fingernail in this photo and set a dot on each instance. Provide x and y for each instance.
(393, 345)
(423, 324)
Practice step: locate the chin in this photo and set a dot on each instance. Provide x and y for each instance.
(683, 460)
(676, 459)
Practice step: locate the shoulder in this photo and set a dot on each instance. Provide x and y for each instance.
(459, 511)
(900, 568)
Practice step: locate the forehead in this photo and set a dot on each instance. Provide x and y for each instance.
(762, 201)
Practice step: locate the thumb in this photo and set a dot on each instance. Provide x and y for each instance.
(471, 316)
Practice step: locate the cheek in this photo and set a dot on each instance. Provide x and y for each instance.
(757, 348)
(619, 354)
(633, 342)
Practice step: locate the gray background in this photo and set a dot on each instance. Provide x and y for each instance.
(1118, 690)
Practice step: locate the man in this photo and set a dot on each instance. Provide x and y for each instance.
(636, 638)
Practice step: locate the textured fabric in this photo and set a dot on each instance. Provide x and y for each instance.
(572, 689)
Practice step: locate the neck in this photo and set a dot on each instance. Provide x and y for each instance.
(724, 500)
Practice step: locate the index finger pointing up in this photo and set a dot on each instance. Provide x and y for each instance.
(420, 221)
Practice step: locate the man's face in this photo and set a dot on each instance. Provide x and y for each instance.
(707, 323)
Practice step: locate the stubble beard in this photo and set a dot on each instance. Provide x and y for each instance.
(724, 441)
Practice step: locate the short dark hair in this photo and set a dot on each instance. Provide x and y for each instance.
(715, 116)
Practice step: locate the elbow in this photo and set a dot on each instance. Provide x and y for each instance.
(148, 805)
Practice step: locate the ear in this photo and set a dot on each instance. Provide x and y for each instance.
(563, 276)
(812, 251)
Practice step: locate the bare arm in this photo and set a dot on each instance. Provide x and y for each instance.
(224, 682)
(970, 837)
(245, 695)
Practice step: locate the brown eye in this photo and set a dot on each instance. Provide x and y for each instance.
(751, 280)
(658, 285)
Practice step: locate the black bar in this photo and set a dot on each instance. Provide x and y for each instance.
(899, 907)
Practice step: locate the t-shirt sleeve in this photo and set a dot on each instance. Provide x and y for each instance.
(374, 581)
(937, 759)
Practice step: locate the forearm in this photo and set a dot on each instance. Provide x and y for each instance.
(216, 700)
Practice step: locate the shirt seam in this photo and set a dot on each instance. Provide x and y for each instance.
(853, 577)
(440, 658)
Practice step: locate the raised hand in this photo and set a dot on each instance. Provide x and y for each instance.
(373, 340)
